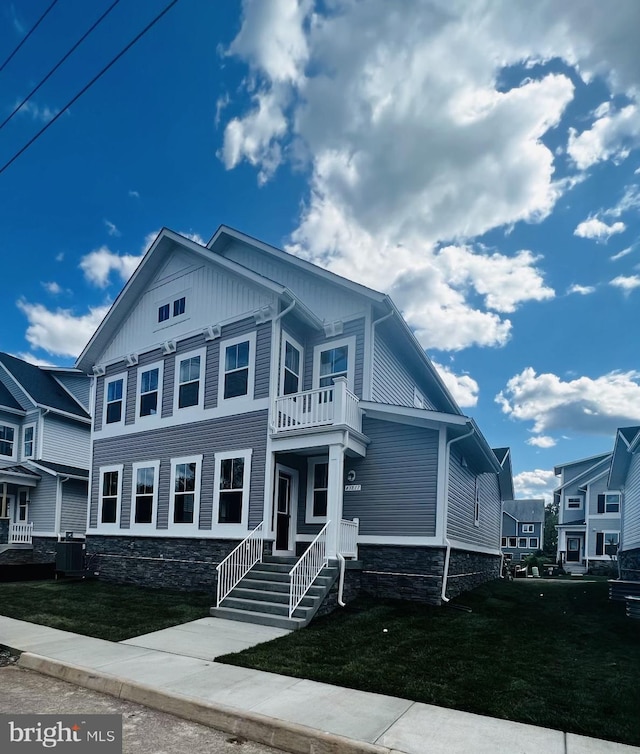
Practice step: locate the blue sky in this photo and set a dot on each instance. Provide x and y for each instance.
(478, 161)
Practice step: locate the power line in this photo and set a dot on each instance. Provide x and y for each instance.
(88, 86)
(58, 64)
(29, 33)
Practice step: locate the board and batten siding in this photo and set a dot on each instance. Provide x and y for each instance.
(206, 438)
(398, 480)
(391, 382)
(65, 441)
(73, 514)
(42, 504)
(212, 295)
(631, 506)
(461, 505)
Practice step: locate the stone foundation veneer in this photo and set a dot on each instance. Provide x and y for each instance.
(629, 565)
(4, 531)
(468, 570)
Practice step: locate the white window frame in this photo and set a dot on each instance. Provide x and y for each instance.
(527, 528)
(170, 302)
(515, 542)
(534, 543)
(16, 441)
(286, 338)
(232, 530)
(573, 498)
(202, 353)
(328, 345)
(155, 465)
(522, 539)
(115, 526)
(159, 365)
(612, 492)
(503, 542)
(311, 465)
(175, 527)
(31, 426)
(18, 504)
(114, 378)
(224, 344)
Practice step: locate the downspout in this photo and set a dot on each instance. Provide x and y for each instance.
(445, 573)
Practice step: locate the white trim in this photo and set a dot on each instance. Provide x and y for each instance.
(419, 401)
(329, 345)
(441, 484)
(612, 513)
(200, 353)
(579, 496)
(286, 338)
(528, 529)
(394, 540)
(193, 526)
(115, 526)
(240, 529)
(312, 462)
(15, 441)
(151, 526)
(537, 543)
(248, 397)
(159, 365)
(293, 517)
(457, 545)
(24, 456)
(106, 380)
(522, 546)
(58, 511)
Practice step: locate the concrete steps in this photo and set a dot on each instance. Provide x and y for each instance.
(263, 595)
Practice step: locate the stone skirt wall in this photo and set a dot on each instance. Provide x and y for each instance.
(44, 549)
(4, 531)
(629, 565)
(184, 564)
(468, 570)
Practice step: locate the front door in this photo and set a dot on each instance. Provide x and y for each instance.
(284, 508)
(573, 549)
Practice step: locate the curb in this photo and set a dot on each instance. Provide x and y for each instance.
(291, 737)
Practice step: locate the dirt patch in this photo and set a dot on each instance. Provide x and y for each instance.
(7, 657)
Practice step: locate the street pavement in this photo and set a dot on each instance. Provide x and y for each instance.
(175, 671)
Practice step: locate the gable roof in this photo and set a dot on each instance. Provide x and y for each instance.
(8, 401)
(505, 477)
(528, 511)
(41, 387)
(621, 458)
(589, 472)
(559, 466)
(61, 469)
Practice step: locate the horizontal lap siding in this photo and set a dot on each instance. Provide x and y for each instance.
(66, 442)
(631, 506)
(240, 432)
(42, 506)
(391, 382)
(78, 385)
(73, 516)
(398, 481)
(354, 327)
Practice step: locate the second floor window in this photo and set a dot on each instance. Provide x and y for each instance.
(27, 442)
(115, 393)
(334, 363)
(291, 369)
(236, 370)
(189, 382)
(527, 528)
(7, 440)
(149, 389)
(144, 493)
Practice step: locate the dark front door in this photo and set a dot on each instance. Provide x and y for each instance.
(573, 549)
(283, 510)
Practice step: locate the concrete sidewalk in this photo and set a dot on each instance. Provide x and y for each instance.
(173, 671)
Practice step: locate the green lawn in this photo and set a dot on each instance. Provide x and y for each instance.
(552, 653)
(94, 608)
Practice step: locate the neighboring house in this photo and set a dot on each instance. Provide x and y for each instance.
(522, 528)
(588, 514)
(624, 480)
(45, 437)
(240, 388)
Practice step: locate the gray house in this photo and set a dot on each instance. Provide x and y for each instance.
(249, 402)
(589, 514)
(45, 436)
(522, 528)
(624, 482)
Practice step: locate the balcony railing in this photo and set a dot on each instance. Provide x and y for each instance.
(322, 407)
(20, 534)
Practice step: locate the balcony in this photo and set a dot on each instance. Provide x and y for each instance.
(330, 406)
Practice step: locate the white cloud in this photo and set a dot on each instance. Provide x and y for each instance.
(60, 256)
(60, 332)
(535, 484)
(585, 404)
(630, 201)
(583, 290)
(611, 137)
(463, 387)
(98, 265)
(621, 254)
(626, 283)
(112, 230)
(53, 288)
(134, 194)
(598, 230)
(541, 441)
(32, 359)
(42, 113)
(195, 237)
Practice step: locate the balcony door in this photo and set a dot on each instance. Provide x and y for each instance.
(285, 510)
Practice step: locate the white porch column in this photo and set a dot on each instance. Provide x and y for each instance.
(335, 492)
(339, 400)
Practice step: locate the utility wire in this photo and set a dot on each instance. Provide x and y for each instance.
(99, 75)
(28, 34)
(58, 64)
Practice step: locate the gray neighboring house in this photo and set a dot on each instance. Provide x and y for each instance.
(588, 514)
(522, 528)
(45, 437)
(244, 395)
(624, 481)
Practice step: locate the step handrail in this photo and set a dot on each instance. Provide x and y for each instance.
(239, 562)
(307, 569)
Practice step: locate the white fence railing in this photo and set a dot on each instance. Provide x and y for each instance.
(239, 562)
(348, 542)
(20, 534)
(307, 569)
(316, 408)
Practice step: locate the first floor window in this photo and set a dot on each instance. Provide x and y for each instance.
(184, 493)
(23, 505)
(27, 441)
(320, 489)
(607, 542)
(110, 492)
(144, 493)
(231, 490)
(503, 542)
(7, 439)
(533, 543)
(513, 542)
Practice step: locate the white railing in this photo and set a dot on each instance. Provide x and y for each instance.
(20, 534)
(239, 562)
(348, 542)
(307, 569)
(316, 408)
